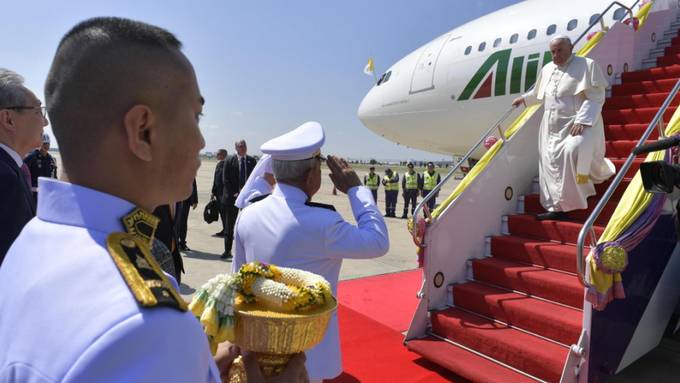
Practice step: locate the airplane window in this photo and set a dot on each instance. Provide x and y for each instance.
(387, 77)
(468, 50)
(497, 42)
(531, 34)
(618, 15)
(572, 25)
(593, 18)
(513, 38)
(481, 46)
(551, 29)
(380, 80)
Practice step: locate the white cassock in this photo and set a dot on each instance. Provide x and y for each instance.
(569, 165)
(285, 230)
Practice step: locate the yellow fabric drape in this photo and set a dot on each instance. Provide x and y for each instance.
(643, 14)
(633, 203)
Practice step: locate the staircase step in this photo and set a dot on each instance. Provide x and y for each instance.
(672, 50)
(671, 59)
(622, 148)
(527, 226)
(556, 322)
(628, 132)
(532, 205)
(650, 100)
(618, 163)
(533, 355)
(635, 116)
(535, 252)
(658, 73)
(464, 363)
(552, 285)
(642, 87)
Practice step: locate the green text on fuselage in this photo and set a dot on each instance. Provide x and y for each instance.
(497, 66)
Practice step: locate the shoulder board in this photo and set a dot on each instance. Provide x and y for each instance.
(258, 198)
(321, 205)
(142, 273)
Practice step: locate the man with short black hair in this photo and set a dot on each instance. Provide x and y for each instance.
(22, 119)
(372, 181)
(218, 187)
(409, 189)
(237, 169)
(428, 182)
(100, 309)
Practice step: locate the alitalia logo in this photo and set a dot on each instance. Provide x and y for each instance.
(491, 79)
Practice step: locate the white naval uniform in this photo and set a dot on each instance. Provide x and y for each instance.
(572, 94)
(282, 230)
(66, 313)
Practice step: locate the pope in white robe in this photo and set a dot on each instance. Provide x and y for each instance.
(571, 137)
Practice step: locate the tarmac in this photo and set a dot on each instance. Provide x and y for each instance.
(203, 261)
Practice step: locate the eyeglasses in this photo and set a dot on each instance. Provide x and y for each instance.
(320, 157)
(42, 109)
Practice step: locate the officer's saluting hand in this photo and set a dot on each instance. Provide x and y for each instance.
(342, 175)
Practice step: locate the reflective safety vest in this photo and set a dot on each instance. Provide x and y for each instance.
(391, 185)
(429, 181)
(372, 181)
(411, 180)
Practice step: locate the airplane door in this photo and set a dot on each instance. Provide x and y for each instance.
(423, 74)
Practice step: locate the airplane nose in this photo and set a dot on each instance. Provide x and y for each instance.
(368, 108)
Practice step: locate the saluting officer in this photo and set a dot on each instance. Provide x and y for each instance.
(287, 229)
(372, 181)
(430, 180)
(409, 186)
(100, 309)
(41, 164)
(391, 183)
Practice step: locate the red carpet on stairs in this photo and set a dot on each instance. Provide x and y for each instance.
(522, 310)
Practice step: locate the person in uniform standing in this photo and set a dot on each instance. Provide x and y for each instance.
(571, 137)
(237, 169)
(288, 229)
(100, 309)
(41, 164)
(372, 182)
(22, 120)
(430, 180)
(409, 189)
(218, 187)
(391, 183)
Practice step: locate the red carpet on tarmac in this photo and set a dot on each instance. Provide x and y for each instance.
(373, 312)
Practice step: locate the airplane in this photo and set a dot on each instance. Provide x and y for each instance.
(444, 95)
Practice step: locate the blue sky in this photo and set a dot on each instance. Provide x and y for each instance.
(264, 67)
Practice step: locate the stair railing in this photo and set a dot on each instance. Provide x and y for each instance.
(600, 19)
(423, 204)
(587, 228)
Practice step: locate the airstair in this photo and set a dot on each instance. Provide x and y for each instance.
(503, 293)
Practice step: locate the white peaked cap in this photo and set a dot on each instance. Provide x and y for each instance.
(301, 143)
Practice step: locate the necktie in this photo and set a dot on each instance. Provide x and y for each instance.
(27, 175)
(242, 173)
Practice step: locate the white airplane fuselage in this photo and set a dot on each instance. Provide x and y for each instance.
(445, 94)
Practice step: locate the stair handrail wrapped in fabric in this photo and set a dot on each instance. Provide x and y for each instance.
(634, 216)
(513, 128)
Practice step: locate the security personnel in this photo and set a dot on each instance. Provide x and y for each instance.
(287, 229)
(391, 183)
(372, 181)
(103, 311)
(430, 180)
(409, 186)
(41, 164)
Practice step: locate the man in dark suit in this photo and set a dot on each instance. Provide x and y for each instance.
(236, 170)
(218, 187)
(182, 220)
(22, 120)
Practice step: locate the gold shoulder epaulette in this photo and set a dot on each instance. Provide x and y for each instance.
(142, 273)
